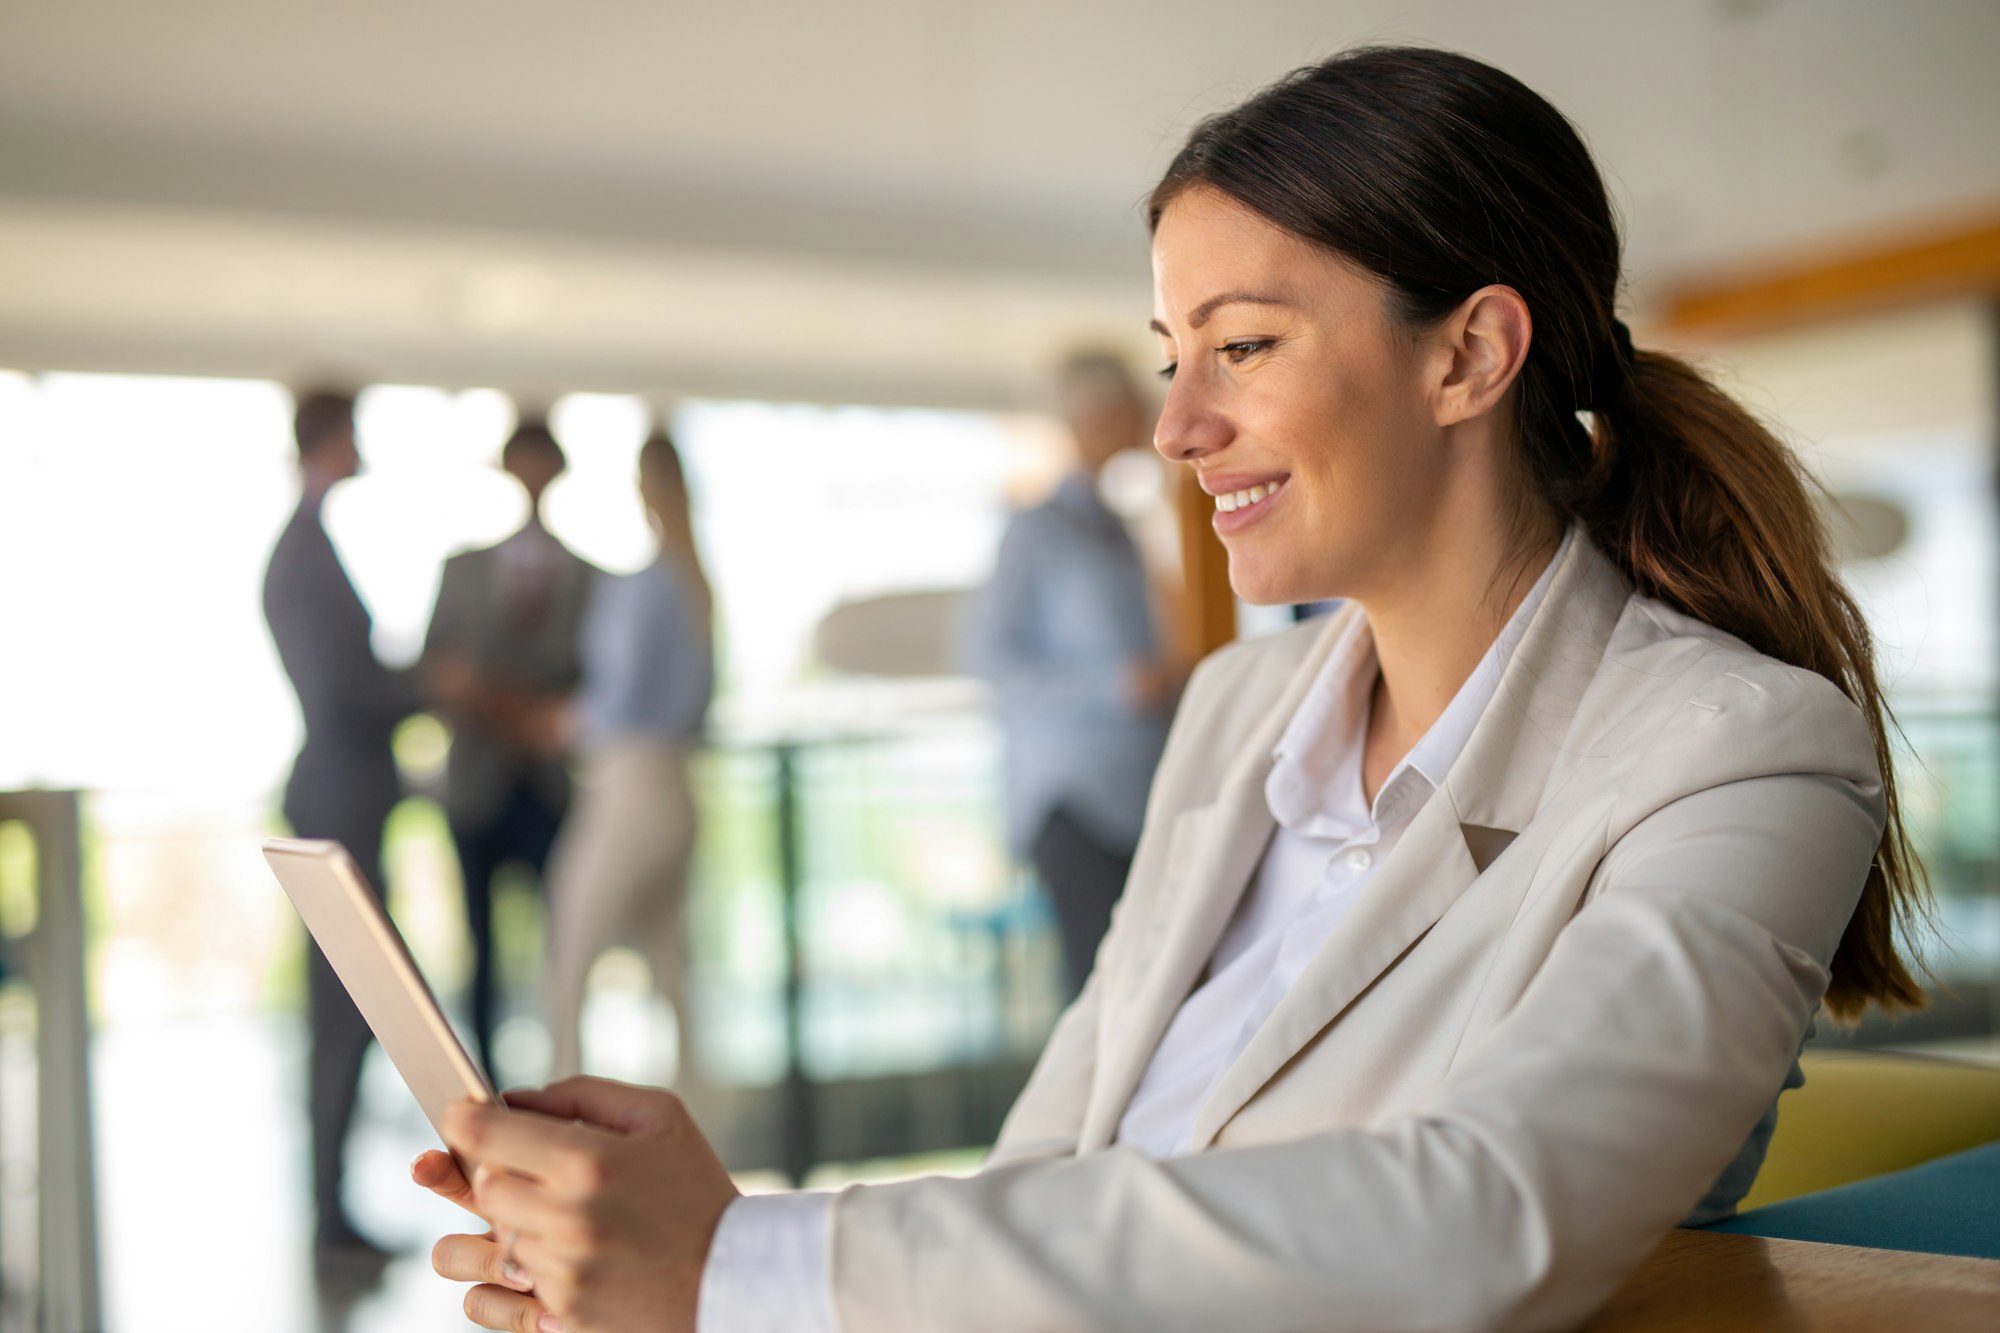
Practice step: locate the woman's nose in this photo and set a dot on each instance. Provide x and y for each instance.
(1189, 426)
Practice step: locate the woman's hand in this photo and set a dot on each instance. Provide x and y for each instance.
(438, 1173)
(454, 684)
(613, 1196)
(500, 1300)
(549, 726)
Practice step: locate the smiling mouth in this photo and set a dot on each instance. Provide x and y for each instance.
(1234, 500)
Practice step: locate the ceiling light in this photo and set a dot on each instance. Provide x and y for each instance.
(504, 298)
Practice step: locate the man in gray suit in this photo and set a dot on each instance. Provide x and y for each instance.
(343, 783)
(502, 644)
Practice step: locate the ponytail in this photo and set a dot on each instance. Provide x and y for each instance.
(1705, 509)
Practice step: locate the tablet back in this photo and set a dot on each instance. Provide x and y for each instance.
(372, 962)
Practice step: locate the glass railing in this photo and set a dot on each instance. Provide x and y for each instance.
(876, 859)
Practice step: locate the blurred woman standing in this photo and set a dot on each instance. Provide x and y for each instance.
(619, 872)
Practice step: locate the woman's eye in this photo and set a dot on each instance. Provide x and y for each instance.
(1243, 349)
(1166, 372)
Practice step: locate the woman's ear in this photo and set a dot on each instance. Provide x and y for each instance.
(1484, 344)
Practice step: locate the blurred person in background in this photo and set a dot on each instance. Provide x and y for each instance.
(619, 872)
(344, 782)
(1065, 633)
(503, 646)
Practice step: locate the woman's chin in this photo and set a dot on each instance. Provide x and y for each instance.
(1266, 587)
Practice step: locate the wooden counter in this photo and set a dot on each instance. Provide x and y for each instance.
(1720, 1283)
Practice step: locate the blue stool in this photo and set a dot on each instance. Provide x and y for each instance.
(1949, 1206)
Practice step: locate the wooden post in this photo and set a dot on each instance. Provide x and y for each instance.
(1940, 264)
(1208, 608)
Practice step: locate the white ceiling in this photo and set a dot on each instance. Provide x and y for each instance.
(883, 198)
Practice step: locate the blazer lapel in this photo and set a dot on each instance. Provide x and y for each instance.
(1422, 877)
(1488, 797)
(1499, 781)
(1214, 850)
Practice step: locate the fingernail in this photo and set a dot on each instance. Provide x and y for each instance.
(416, 1162)
(548, 1323)
(512, 1274)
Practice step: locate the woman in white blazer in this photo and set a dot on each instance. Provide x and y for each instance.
(1472, 935)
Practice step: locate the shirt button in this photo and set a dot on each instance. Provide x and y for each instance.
(1360, 859)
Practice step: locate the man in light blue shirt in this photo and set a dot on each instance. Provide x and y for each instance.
(1065, 634)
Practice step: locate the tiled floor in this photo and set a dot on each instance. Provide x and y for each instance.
(204, 1214)
(203, 1196)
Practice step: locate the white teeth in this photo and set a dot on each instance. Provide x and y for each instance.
(1236, 500)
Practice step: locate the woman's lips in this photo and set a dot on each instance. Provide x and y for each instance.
(1236, 510)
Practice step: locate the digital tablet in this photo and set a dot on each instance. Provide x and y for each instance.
(372, 962)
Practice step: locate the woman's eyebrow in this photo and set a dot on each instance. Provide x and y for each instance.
(1207, 308)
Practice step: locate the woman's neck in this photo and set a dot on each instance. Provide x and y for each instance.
(1432, 630)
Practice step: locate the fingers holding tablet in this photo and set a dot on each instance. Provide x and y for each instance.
(565, 1154)
(437, 1172)
(478, 1259)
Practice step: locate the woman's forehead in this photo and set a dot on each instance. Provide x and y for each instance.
(1211, 253)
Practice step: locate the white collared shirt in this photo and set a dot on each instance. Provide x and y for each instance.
(1329, 842)
(768, 1267)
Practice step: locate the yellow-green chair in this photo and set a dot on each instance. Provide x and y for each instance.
(1895, 1152)
(1865, 1113)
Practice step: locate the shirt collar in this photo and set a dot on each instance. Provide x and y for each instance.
(1314, 786)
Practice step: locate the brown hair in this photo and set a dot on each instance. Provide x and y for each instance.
(660, 463)
(1440, 175)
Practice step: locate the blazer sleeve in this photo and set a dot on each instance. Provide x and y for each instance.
(1551, 1159)
(322, 634)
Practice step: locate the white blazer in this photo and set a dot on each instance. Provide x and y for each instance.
(1541, 1033)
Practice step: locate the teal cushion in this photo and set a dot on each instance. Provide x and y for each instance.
(1949, 1206)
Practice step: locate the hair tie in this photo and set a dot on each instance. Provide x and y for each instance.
(1613, 368)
